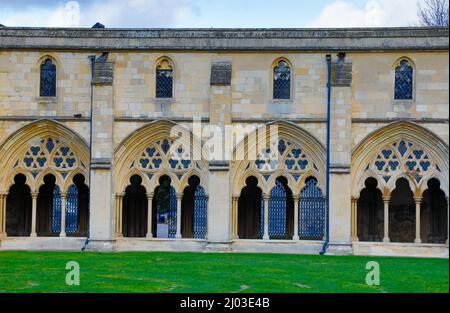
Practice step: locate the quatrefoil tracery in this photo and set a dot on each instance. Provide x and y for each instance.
(289, 156)
(402, 156)
(164, 153)
(49, 152)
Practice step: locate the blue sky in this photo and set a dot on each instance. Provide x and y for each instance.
(209, 13)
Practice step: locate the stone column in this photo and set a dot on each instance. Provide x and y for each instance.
(101, 206)
(63, 214)
(296, 211)
(3, 215)
(34, 196)
(266, 198)
(418, 202)
(235, 211)
(220, 211)
(446, 242)
(386, 200)
(150, 215)
(118, 224)
(340, 154)
(355, 219)
(179, 198)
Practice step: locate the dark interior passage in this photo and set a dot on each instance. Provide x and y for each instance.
(135, 209)
(370, 212)
(249, 210)
(18, 208)
(402, 213)
(188, 208)
(433, 218)
(48, 215)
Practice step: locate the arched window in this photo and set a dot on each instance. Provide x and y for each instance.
(282, 81)
(48, 79)
(164, 79)
(404, 80)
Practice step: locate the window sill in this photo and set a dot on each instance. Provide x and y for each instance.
(44, 100)
(282, 101)
(164, 101)
(411, 101)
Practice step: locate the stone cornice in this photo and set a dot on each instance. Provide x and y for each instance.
(356, 39)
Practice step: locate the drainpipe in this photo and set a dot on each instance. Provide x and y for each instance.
(92, 59)
(327, 197)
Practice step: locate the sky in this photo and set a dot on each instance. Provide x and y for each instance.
(209, 13)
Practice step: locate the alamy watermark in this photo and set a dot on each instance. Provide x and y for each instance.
(373, 276)
(73, 274)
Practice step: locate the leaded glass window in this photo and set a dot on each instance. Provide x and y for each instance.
(404, 81)
(48, 79)
(282, 81)
(164, 80)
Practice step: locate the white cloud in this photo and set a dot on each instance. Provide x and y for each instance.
(111, 13)
(375, 13)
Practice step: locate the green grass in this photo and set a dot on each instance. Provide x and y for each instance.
(216, 272)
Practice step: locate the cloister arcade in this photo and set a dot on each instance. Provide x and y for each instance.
(399, 186)
(44, 182)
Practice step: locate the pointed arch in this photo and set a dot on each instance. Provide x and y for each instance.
(164, 78)
(48, 68)
(287, 132)
(417, 141)
(404, 79)
(282, 79)
(130, 150)
(15, 147)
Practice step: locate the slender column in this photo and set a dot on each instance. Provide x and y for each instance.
(418, 201)
(386, 200)
(119, 205)
(235, 209)
(296, 211)
(355, 219)
(3, 215)
(34, 196)
(150, 215)
(266, 217)
(116, 216)
(179, 198)
(63, 215)
(446, 242)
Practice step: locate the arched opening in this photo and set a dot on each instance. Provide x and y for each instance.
(402, 216)
(77, 208)
(48, 78)
(281, 211)
(370, 212)
(282, 80)
(164, 211)
(311, 225)
(135, 209)
(18, 208)
(250, 211)
(164, 79)
(404, 76)
(193, 210)
(434, 219)
(48, 216)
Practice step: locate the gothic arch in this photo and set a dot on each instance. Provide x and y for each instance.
(147, 152)
(400, 150)
(43, 147)
(291, 137)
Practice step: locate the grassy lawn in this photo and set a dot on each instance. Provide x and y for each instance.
(214, 272)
